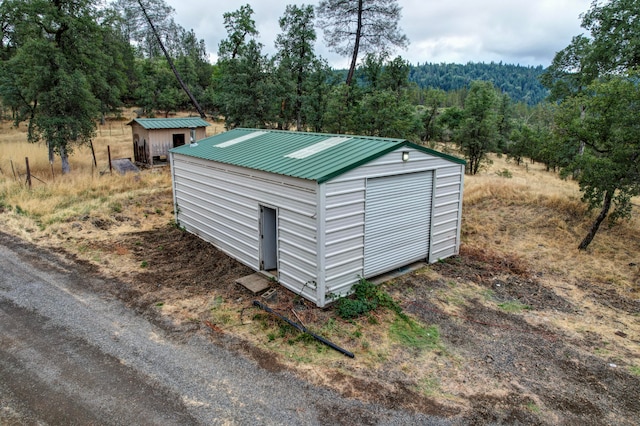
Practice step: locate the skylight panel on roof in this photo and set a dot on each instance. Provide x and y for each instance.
(240, 139)
(318, 147)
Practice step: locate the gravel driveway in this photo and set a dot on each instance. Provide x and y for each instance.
(72, 355)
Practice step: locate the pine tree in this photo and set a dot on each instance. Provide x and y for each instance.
(354, 26)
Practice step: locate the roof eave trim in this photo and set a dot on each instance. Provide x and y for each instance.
(352, 166)
(359, 163)
(135, 120)
(436, 153)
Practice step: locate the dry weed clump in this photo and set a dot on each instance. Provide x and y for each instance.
(570, 207)
(483, 189)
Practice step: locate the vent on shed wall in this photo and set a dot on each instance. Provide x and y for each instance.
(397, 221)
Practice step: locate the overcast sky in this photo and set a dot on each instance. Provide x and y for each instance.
(525, 32)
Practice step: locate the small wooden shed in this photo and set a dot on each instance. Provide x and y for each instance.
(319, 211)
(154, 137)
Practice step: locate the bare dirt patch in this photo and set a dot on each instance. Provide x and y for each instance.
(539, 363)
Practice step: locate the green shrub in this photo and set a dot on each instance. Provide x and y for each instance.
(366, 297)
(505, 173)
(116, 207)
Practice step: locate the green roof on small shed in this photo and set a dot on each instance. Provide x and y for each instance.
(313, 156)
(169, 123)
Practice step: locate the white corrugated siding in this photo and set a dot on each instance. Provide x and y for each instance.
(447, 212)
(220, 204)
(344, 234)
(398, 212)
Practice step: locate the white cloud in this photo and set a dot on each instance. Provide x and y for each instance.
(528, 32)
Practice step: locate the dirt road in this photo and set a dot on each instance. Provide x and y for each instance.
(72, 354)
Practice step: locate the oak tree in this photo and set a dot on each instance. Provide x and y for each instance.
(595, 81)
(55, 70)
(608, 171)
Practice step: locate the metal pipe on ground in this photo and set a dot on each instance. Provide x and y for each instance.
(304, 330)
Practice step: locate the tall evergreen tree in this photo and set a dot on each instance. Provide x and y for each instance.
(504, 121)
(158, 89)
(316, 102)
(433, 101)
(296, 56)
(241, 27)
(354, 26)
(150, 26)
(170, 61)
(243, 82)
(341, 113)
(478, 131)
(385, 109)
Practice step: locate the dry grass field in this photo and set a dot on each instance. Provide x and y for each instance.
(521, 328)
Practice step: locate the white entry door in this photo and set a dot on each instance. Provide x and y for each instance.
(268, 239)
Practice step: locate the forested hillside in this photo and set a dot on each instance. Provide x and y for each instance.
(521, 83)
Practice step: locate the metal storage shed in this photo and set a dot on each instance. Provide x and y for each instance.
(154, 137)
(319, 211)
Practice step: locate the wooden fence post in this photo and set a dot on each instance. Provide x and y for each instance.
(13, 169)
(93, 153)
(109, 153)
(26, 159)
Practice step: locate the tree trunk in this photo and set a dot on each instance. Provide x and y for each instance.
(51, 153)
(299, 101)
(606, 205)
(583, 114)
(64, 157)
(173, 67)
(356, 45)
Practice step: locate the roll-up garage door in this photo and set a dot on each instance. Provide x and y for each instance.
(397, 221)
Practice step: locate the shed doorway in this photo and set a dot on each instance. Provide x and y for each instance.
(397, 221)
(178, 139)
(268, 239)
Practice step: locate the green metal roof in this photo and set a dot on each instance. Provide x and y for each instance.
(313, 156)
(169, 123)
